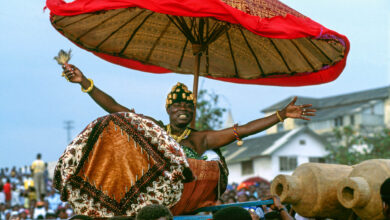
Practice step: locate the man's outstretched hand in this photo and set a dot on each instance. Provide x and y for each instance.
(298, 111)
(72, 73)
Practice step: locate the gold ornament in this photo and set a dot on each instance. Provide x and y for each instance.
(279, 117)
(87, 90)
(183, 135)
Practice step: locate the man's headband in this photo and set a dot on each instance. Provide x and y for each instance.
(179, 93)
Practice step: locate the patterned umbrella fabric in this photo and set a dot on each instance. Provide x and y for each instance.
(254, 41)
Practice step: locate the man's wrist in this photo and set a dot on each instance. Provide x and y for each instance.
(85, 83)
(283, 114)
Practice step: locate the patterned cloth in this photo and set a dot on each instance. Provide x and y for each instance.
(145, 166)
(190, 153)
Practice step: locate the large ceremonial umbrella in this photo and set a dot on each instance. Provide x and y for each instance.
(242, 41)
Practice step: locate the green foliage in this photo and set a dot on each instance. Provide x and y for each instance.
(380, 145)
(354, 148)
(208, 113)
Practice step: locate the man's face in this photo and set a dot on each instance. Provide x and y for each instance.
(181, 113)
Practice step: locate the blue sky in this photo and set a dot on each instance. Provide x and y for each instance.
(36, 100)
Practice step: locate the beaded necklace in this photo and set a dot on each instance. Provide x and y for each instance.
(183, 135)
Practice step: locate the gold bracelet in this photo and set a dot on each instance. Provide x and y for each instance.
(89, 89)
(279, 117)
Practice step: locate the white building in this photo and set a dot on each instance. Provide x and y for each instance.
(366, 112)
(270, 155)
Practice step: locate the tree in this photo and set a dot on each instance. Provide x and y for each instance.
(353, 148)
(208, 113)
(380, 145)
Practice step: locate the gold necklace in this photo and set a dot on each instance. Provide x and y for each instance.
(183, 135)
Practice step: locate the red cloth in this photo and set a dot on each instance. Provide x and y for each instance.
(288, 27)
(202, 191)
(7, 191)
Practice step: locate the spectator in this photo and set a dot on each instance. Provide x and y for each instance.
(280, 209)
(20, 190)
(231, 200)
(39, 211)
(232, 213)
(28, 182)
(14, 215)
(252, 191)
(31, 197)
(54, 200)
(154, 212)
(23, 214)
(7, 191)
(385, 195)
(13, 178)
(15, 196)
(68, 209)
(7, 172)
(20, 172)
(46, 176)
(26, 170)
(2, 194)
(242, 197)
(61, 213)
(38, 169)
(50, 215)
(7, 214)
(2, 210)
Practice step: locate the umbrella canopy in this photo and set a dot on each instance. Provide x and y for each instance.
(253, 41)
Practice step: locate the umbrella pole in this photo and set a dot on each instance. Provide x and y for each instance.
(195, 86)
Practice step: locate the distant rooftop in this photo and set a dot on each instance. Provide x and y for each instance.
(336, 105)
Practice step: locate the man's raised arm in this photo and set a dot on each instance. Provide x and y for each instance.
(105, 101)
(216, 139)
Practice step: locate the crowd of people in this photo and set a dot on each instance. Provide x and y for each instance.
(27, 193)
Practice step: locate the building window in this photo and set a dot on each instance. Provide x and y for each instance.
(247, 167)
(338, 122)
(279, 127)
(352, 119)
(317, 160)
(302, 142)
(287, 163)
